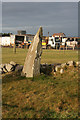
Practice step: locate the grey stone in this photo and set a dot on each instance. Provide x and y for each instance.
(13, 63)
(4, 70)
(46, 68)
(78, 63)
(19, 68)
(61, 71)
(63, 65)
(9, 67)
(71, 63)
(2, 65)
(1, 70)
(32, 62)
(57, 68)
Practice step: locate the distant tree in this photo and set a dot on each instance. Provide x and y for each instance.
(5, 34)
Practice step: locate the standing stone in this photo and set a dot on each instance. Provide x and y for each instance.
(32, 63)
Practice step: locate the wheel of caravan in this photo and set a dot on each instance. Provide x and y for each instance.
(48, 47)
(28, 45)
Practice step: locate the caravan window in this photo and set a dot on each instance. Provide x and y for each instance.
(52, 40)
(57, 39)
(19, 39)
(72, 39)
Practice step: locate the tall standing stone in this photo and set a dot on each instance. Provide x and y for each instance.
(32, 62)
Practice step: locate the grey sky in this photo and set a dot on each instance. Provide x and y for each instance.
(53, 17)
(40, 0)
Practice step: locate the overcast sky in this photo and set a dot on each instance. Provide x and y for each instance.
(54, 17)
(40, 0)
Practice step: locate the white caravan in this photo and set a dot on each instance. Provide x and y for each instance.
(53, 42)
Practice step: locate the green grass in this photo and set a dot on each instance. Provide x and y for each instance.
(48, 56)
(52, 96)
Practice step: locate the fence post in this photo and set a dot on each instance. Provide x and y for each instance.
(14, 47)
(73, 47)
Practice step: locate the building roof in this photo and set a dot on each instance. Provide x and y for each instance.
(25, 35)
(58, 34)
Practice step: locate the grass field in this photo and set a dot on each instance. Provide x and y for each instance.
(52, 96)
(48, 56)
